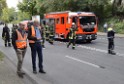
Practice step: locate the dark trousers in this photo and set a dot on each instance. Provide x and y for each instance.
(111, 46)
(51, 38)
(36, 48)
(43, 42)
(47, 36)
(105, 30)
(7, 42)
(71, 41)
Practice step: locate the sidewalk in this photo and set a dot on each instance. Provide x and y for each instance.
(8, 70)
(116, 35)
(8, 73)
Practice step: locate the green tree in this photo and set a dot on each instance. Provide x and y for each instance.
(118, 7)
(8, 14)
(96, 6)
(28, 6)
(2, 5)
(23, 16)
(102, 8)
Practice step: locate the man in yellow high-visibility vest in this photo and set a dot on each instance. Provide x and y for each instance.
(111, 36)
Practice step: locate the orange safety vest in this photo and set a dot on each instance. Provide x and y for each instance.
(33, 34)
(21, 41)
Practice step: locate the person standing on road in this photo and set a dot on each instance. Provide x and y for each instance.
(6, 36)
(35, 36)
(47, 32)
(111, 36)
(51, 34)
(105, 27)
(72, 36)
(14, 27)
(19, 42)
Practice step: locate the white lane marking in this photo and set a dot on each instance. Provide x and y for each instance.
(103, 38)
(122, 55)
(98, 50)
(95, 49)
(84, 62)
(90, 48)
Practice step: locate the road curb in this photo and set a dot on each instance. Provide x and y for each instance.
(29, 75)
(116, 35)
(14, 66)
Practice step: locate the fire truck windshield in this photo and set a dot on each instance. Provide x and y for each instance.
(84, 20)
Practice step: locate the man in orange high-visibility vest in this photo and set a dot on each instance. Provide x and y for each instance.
(35, 37)
(19, 42)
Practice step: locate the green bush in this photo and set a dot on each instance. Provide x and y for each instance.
(118, 25)
(1, 56)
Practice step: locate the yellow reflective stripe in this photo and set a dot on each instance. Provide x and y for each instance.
(109, 29)
(21, 41)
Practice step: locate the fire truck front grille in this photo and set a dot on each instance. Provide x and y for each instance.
(88, 29)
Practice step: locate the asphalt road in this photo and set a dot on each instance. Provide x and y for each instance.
(88, 64)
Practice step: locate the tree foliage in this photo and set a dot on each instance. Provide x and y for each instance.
(23, 16)
(8, 14)
(28, 6)
(118, 7)
(102, 8)
(2, 5)
(96, 6)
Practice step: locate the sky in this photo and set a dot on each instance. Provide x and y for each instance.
(12, 3)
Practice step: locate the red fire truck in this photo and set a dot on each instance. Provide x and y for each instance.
(86, 23)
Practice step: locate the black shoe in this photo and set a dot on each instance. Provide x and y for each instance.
(51, 43)
(67, 46)
(5, 45)
(23, 73)
(73, 48)
(42, 71)
(43, 47)
(9, 45)
(35, 72)
(113, 53)
(109, 51)
(20, 75)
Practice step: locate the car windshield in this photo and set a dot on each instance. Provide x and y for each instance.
(84, 20)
